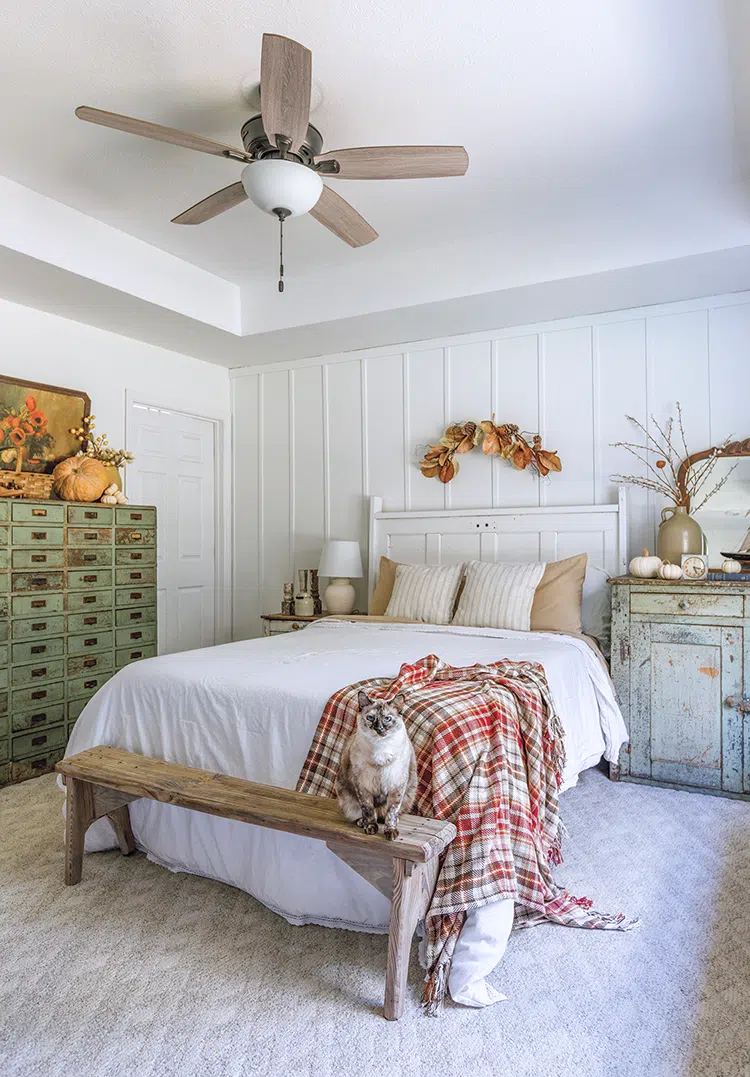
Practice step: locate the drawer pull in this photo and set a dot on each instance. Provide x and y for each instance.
(88, 599)
(136, 594)
(742, 705)
(136, 556)
(136, 516)
(136, 635)
(90, 663)
(39, 603)
(90, 579)
(41, 672)
(39, 536)
(136, 654)
(40, 649)
(38, 581)
(89, 557)
(683, 604)
(295, 627)
(38, 512)
(38, 764)
(91, 515)
(135, 536)
(91, 642)
(90, 684)
(136, 615)
(39, 558)
(41, 694)
(136, 575)
(89, 536)
(39, 626)
(36, 741)
(90, 620)
(37, 719)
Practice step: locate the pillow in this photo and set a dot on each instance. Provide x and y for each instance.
(425, 592)
(498, 595)
(557, 602)
(384, 587)
(597, 609)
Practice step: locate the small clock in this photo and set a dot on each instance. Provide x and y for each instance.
(694, 566)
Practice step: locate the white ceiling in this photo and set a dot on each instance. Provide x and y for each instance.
(587, 123)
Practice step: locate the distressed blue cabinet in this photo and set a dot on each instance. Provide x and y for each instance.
(679, 652)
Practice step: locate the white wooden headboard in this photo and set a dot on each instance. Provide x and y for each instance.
(444, 537)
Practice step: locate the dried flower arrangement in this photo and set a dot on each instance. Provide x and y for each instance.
(675, 473)
(97, 447)
(505, 441)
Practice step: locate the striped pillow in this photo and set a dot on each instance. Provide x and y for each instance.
(425, 593)
(498, 595)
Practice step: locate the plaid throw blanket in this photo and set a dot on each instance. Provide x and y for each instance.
(490, 754)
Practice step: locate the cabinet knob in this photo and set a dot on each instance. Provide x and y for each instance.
(742, 705)
(295, 627)
(683, 604)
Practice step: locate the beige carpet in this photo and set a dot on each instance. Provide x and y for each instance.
(137, 972)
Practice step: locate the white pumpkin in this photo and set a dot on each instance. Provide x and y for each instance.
(730, 565)
(108, 499)
(668, 571)
(646, 567)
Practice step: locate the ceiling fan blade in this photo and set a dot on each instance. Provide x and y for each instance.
(285, 84)
(398, 162)
(216, 203)
(335, 214)
(156, 131)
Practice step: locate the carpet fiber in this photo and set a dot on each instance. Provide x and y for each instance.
(138, 972)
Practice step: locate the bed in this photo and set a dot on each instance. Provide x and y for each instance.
(250, 709)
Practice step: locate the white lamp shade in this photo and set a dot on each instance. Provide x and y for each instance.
(277, 184)
(341, 557)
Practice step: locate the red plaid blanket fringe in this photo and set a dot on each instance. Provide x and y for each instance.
(490, 753)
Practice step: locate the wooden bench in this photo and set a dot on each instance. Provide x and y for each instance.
(103, 781)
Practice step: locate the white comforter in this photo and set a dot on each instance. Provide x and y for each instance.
(250, 709)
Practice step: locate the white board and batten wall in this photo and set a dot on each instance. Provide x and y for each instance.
(315, 438)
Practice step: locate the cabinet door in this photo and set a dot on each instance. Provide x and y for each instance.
(681, 728)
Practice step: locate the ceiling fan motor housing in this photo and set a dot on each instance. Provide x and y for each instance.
(256, 143)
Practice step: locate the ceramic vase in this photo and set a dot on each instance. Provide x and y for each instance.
(678, 533)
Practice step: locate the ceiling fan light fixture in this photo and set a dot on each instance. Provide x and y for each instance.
(277, 184)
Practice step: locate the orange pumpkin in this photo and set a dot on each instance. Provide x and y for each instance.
(80, 478)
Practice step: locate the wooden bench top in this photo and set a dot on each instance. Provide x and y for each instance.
(419, 840)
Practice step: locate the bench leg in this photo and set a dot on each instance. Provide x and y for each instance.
(413, 885)
(79, 815)
(120, 820)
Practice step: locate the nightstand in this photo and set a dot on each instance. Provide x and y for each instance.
(276, 623)
(678, 652)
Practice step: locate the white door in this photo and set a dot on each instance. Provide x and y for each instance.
(174, 470)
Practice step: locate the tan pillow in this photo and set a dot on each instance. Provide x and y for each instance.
(557, 601)
(384, 587)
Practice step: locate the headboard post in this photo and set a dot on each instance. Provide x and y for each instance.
(622, 528)
(373, 556)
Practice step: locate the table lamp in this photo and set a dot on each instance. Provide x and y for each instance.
(340, 561)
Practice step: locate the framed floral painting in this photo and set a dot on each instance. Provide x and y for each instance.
(35, 424)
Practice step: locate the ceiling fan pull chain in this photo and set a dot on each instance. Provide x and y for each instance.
(281, 253)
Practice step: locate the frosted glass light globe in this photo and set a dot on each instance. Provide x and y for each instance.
(278, 184)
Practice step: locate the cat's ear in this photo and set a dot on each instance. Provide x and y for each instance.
(399, 701)
(363, 700)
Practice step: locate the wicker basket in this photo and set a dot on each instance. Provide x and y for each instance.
(29, 484)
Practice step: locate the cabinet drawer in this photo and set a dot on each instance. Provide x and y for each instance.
(38, 672)
(40, 534)
(37, 649)
(38, 627)
(4, 558)
(695, 605)
(128, 577)
(3, 654)
(89, 536)
(25, 512)
(4, 728)
(3, 630)
(4, 605)
(91, 643)
(38, 559)
(85, 622)
(84, 687)
(134, 536)
(31, 605)
(98, 515)
(34, 743)
(81, 601)
(134, 637)
(4, 531)
(4, 755)
(90, 663)
(134, 654)
(125, 617)
(5, 581)
(33, 767)
(75, 706)
(135, 516)
(4, 702)
(4, 510)
(39, 718)
(135, 596)
(24, 699)
(37, 581)
(4, 677)
(88, 558)
(89, 579)
(137, 557)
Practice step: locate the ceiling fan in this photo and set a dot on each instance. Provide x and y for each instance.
(283, 153)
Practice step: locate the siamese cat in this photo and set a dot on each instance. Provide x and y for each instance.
(377, 778)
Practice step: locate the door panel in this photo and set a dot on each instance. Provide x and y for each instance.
(174, 470)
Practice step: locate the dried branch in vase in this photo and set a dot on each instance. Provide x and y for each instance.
(505, 441)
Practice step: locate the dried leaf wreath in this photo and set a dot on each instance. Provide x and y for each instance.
(505, 441)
